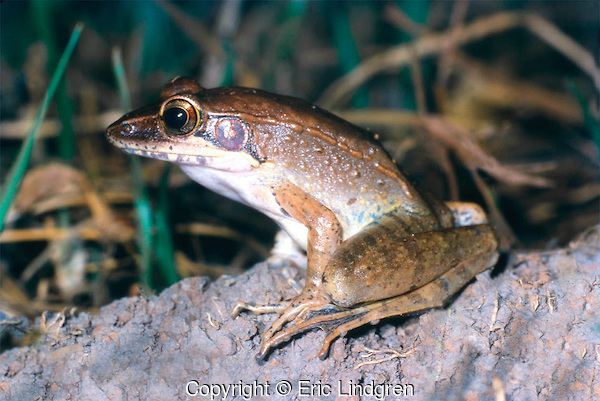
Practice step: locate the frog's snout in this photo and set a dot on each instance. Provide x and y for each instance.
(119, 129)
(133, 128)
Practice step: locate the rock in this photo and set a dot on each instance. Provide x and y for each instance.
(531, 331)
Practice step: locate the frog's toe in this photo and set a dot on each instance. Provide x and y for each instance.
(297, 319)
(260, 359)
(288, 315)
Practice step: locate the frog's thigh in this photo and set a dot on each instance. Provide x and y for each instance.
(467, 214)
(432, 295)
(372, 266)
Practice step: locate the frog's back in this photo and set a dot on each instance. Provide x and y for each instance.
(338, 163)
(260, 108)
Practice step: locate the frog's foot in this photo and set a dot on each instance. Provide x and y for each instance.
(327, 317)
(287, 310)
(296, 310)
(302, 309)
(282, 308)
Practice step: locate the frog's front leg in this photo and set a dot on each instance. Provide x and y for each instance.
(324, 237)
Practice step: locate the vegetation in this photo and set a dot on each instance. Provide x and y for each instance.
(494, 102)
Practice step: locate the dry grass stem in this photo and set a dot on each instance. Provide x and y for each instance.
(474, 157)
(435, 43)
(395, 16)
(50, 128)
(212, 230)
(489, 86)
(195, 30)
(389, 352)
(54, 233)
(457, 20)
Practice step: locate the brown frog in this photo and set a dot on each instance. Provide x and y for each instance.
(376, 247)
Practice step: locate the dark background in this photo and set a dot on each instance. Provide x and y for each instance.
(298, 48)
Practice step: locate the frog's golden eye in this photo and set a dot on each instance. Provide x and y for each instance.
(180, 117)
(231, 133)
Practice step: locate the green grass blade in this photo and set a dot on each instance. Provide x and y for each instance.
(347, 51)
(143, 209)
(290, 24)
(119, 71)
(229, 73)
(44, 18)
(165, 255)
(19, 167)
(142, 204)
(591, 123)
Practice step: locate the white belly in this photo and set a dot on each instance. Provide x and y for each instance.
(252, 189)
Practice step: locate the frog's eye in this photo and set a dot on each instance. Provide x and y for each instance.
(180, 117)
(231, 133)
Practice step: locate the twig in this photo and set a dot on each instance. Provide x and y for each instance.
(473, 157)
(392, 354)
(585, 193)
(381, 117)
(36, 264)
(457, 21)
(211, 321)
(505, 92)
(401, 55)
(68, 200)
(441, 155)
(223, 232)
(549, 33)
(437, 150)
(17, 129)
(52, 234)
(419, 86)
(506, 234)
(395, 16)
(435, 43)
(194, 30)
(495, 312)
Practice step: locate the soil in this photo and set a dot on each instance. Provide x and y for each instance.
(529, 330)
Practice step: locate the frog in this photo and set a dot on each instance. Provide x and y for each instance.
(376, 247)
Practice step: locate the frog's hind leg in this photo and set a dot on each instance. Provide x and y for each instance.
(464, 214)
(432, 295)
(476, 251)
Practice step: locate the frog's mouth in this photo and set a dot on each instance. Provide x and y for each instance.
(141, 135)
(174, 157)
(187, 154)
